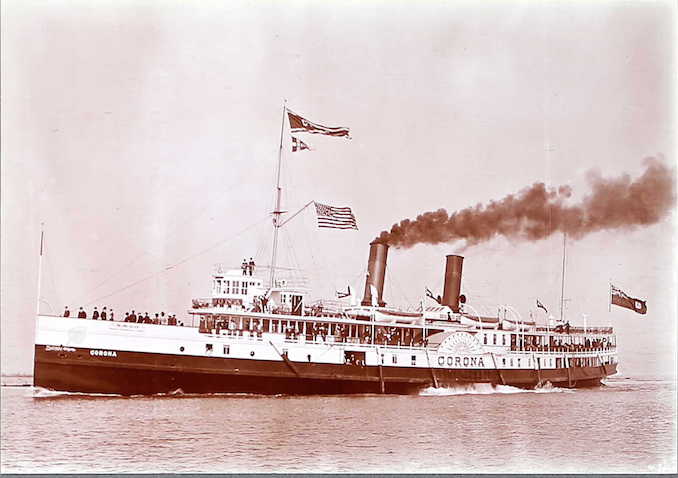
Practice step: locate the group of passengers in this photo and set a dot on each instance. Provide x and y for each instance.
(247, 267)
(108, 314)
(105, 314)
(159, 319)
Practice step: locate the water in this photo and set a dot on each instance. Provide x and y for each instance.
(627, 426)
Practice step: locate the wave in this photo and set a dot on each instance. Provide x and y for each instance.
(39, 392)
(488, 389)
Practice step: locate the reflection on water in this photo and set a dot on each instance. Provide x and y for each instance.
(626, 426)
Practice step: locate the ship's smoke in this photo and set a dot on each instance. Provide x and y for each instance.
(539, 211)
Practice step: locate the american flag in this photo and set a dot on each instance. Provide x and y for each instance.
(335, 217)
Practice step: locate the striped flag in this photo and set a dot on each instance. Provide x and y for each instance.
(302, 125)
(298, 145)
(541, 306)
(335, 217)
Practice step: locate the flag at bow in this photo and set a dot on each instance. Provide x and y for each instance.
(541, 306)
(335, 217)
(299, 145)
(302, 125)
(621, 299)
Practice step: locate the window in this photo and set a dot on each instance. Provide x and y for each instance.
(503, 361)
(485, 339)
(227, 287)
(208, 348)
(518, 362)
(244, 288)
(494, 339)
(414, 360)
(217, 286)
(382, 358)
(503, 339)
(227, 349)
(236, 287)
(394, 358)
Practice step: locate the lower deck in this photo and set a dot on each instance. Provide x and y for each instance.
(138, 373)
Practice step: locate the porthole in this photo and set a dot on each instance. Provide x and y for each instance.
(252, 353)
(181, 349)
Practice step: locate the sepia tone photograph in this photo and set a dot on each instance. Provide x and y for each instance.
(338, 237)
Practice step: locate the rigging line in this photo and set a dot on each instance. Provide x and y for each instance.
(165, 269)
(242, 231)
(50, 269)
(179, 224)
(115, 274)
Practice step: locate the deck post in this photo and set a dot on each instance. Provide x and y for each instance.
(501, 377)
(433, 372)
(381, 378)
(537, 363)
(286, 360)
(569, 372)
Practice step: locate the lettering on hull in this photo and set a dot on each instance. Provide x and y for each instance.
(463, 361)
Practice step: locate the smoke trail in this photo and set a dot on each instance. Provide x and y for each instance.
(537, 212)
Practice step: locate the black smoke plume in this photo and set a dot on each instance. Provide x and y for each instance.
(537, 211)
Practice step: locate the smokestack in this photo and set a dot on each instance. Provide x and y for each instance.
(376, 270)
(452, 286)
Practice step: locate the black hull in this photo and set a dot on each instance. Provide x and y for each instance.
(133, 373)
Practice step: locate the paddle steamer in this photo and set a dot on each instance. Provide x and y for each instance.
(255, 334)
(233, 341)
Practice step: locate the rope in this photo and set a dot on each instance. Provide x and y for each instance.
(182, 261)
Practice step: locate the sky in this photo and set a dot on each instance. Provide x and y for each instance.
(145, 136)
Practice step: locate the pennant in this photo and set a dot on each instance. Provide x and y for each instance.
(302, 125)
(342, 295)
(541, 306)
(299, 145)
(621, 299)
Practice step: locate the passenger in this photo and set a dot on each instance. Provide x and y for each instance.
(244, 267)
(82, 314)
(104, 315)
(147, 319)
(133, 316)
(250, 266)
(111, 319)
(95, 314)
(156, 320)
(162, 317)
(67, 313)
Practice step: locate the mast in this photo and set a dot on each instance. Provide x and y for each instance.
(562, 281)
(42, 237)
(278, 198)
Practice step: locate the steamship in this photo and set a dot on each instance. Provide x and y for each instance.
(231, 344)
(258, 334)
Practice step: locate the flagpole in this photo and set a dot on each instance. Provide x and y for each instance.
(278, 198)
(42, 237)
(562, 281)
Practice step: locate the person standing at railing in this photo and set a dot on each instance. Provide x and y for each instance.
(111, 319)
(67, 313)
(103, 314)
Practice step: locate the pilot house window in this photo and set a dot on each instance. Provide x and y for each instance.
(236, 287)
